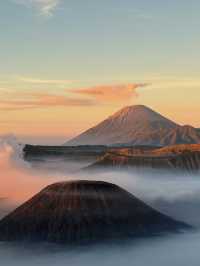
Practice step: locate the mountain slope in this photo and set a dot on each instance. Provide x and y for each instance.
(137, 125)
(171, 159)
(79, 211)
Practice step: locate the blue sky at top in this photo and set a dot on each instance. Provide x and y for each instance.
(92, 41)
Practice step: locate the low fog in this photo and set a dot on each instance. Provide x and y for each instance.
(175, 195)
(178, 250)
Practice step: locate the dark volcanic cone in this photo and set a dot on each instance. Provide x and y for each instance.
(84, 211)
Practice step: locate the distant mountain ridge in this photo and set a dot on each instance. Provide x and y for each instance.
(137, 125)
(176, 158)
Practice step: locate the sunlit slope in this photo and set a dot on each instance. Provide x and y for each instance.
(178, 157)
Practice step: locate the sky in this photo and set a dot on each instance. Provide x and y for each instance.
(67, 64)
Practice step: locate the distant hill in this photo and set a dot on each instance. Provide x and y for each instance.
(137, 125)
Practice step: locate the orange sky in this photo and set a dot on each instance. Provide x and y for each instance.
(52, 116)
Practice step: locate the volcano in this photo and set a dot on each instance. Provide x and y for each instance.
(137, 125)
(84, 211)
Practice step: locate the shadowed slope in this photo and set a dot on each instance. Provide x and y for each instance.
(84, 211)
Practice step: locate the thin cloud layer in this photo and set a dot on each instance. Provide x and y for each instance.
(111, 93)
(45, 81)
(42, 101)
(99, 95)
(45, 7)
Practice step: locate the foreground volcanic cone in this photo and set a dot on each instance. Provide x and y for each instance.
(84, 211)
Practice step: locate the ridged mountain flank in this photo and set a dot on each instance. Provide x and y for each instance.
(84, 211)
(137, 125)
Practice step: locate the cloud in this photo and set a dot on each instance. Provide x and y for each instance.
(111, 93)
(32, 101)
(98, 95)
(45, 7)
(45, 81)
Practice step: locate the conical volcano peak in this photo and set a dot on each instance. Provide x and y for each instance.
(84, 211)
(127, 110)
(140, 112)
(80, 186)
(134, 108)
(137, 125)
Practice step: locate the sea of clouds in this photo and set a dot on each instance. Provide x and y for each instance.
(175, 195)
